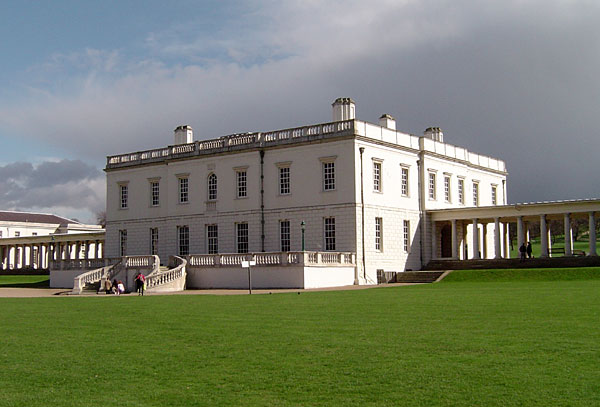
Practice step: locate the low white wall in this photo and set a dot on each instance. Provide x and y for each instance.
(270, 277)
(176, 285)
(237, 277)
(63, 278)
(319, 277)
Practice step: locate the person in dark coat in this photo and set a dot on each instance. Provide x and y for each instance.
(140, 279)
(529, 256)
(523, 251)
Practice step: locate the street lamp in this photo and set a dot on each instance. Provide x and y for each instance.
(303, 227)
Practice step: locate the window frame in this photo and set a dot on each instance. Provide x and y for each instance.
(378, 234)
(154, 241)
(183, 189)
(212, 238)
(284, 177)
(404, 181)
(447, 188)
(285, 241)
(123, 195)
(122, 242)
(242, 237)
(183, 240)
(377, 176)
(241, 182)
(329, 238)
(461, 190)
(212, 185)
(406, 235)
(475, 190)
(432, 186)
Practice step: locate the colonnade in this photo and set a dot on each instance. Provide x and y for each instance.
(478, 236)
(38, 252)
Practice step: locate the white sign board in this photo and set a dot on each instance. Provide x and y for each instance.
(246, 264)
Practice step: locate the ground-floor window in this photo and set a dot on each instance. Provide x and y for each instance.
(379, 234)
(242, 237)
(183, 237)
(329, 232)
(212, 239)
(406, 235)
(123, 242)
(153, 241)
(284, 235)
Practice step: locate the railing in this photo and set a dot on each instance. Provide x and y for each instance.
(142, 261)
(246, 139)
(158, 278)
(273, 259)
(82, 280)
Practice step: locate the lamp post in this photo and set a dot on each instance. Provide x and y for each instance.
(303, 227)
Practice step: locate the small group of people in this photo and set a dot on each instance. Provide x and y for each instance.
(117, 287)
(525, 251)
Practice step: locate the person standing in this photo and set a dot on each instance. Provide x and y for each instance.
(523, 251)
(140, 281)
(529, 250)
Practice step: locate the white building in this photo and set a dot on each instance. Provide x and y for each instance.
(359, 188)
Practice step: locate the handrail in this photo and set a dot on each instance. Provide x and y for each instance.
(161, 277)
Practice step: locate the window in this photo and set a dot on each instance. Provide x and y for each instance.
(329, 226)
(212, 187)
(431, 185)
(183, 190)
(406, 236)
(328, 176)
(404, 183)
(242, 188)
(122, 243)
(494, 196)
(461, 191)
(377, 176)
(154, 193)
(284, 180)
(34, 234)
(0, 234)
(447, 188)
(242, 237)
(153, 241)
(475, 194)
(212, 239)
(123, 189)
(183, 240)
(378, 234)
(284, 235)
(17, 234)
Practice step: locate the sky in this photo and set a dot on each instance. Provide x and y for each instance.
(513, 79)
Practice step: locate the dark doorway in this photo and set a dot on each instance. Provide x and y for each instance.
(447, 241)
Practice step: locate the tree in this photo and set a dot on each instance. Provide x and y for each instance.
(101, 218)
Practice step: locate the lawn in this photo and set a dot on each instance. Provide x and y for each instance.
(526, 338)
(557, 243)
(35, 281)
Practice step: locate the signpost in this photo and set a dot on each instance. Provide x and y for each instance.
(248, 264)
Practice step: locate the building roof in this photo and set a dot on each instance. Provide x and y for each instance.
(32, 217)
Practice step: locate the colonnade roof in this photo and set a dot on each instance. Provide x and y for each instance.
(56, 238)
(529, 211)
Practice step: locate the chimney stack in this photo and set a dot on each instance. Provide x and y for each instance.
(343, 109)
(434, 133)
(183, 135)
(387, 121)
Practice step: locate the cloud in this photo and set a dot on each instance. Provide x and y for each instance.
(65, 187)
(513, 79)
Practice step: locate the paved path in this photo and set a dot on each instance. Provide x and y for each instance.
(64, 292)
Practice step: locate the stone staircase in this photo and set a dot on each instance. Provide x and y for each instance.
(418, 276)
(548, 262)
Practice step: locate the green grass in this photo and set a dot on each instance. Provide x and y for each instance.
(526, 341)
(557, 242)
(36, 281)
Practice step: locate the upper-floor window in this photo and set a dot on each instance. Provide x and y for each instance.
(447, 188)
(212, 187)
(461, 191)
(494, 195)
(328, 176)
(379, 234)
(284, 235)
(154, 193)
(284, 180)
(242, 186)
(212, 239)
(124, 195)
(377, 176)
(17, 234)
(404, 181)
(432, 185)
(475, 194)
(329, 233)
(242, 237)
(183, 189)
(183, 240)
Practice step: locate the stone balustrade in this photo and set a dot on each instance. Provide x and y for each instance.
(159, 279)
(274, 259)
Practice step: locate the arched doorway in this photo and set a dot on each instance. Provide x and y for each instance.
(446, 241)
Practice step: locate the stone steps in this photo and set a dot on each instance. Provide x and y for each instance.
(551, 262)
(417, 277)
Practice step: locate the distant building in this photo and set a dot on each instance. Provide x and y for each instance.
(355, 187)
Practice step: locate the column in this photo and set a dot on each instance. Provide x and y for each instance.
(23, 256)
(31, 255)
(433, 241)
(568, 235)
(454, 240)
(86, 255)
(507, 240)
(498, 254)
(475, 240)
(592, 224)
(520, 230)
(484, 243)
(543, 237)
